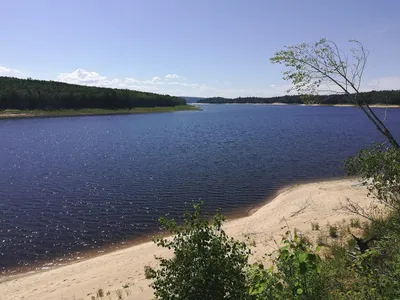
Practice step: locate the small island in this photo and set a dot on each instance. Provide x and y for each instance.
(40, 98)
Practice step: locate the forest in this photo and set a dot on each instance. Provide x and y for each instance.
(373, 97)
(29, 94)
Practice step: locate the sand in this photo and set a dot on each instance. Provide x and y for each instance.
(122, 271)
(14, 115)
(372, 105)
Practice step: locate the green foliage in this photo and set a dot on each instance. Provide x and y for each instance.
(298, 265)
(265, 284)
(313, 67)
(31, 94)
(377, 271)
(297, 275)
(379, 168)
(207, 264)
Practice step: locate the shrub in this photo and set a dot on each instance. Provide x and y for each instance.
(297, 275)
(207, 264)
(379, 168)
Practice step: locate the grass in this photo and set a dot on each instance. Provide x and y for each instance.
(314, 226)
(15, 113)
(355, 223)
(333, 231)
(148, 272)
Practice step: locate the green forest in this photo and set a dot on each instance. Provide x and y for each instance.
(373, 97)
(29, 94)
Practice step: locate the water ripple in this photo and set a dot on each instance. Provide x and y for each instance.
(69, 185)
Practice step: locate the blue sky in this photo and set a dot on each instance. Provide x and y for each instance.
(189, 47)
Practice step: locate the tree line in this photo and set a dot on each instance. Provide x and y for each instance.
(373, 97)
(27, 94)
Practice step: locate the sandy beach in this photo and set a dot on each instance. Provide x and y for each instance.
(372, 105)
(122, 272)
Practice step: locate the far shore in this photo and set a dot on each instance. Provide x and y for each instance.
(319, 104)
(294, 207)
(14, 113)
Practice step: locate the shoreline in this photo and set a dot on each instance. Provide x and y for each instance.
(302, 104)
(21, 114)
(84, 255)
(126, 266)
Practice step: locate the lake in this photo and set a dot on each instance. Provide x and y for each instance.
(74, 184)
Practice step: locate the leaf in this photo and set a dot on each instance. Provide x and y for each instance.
(303, 268)
(279, 286)
(303, 257)
(311, 257)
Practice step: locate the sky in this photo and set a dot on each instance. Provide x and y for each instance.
(189, 47)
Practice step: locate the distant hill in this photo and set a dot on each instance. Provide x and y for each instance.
(191, 99)
(374, 97)
(26, 94)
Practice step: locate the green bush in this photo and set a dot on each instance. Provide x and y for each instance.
(379, 167)
(207, 264)
(297, 275)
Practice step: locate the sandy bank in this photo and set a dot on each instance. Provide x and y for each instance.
(372, 105)
(295, 206)
(14, 115)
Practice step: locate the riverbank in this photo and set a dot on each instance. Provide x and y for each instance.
(302, 104)
(372, 105)
(14, 113)
(294, 207)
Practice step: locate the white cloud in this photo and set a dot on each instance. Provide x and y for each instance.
(131, 80)
(154, 80)
(84, 77)
(80, 76)
(172, 87)
(172, 77)
(4, 70)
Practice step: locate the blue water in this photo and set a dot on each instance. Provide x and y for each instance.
(79, 183)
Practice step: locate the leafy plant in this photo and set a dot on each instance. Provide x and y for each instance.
(379, 167)
(297, 274)
(207, 264)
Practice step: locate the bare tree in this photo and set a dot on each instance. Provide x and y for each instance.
(322, 67)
